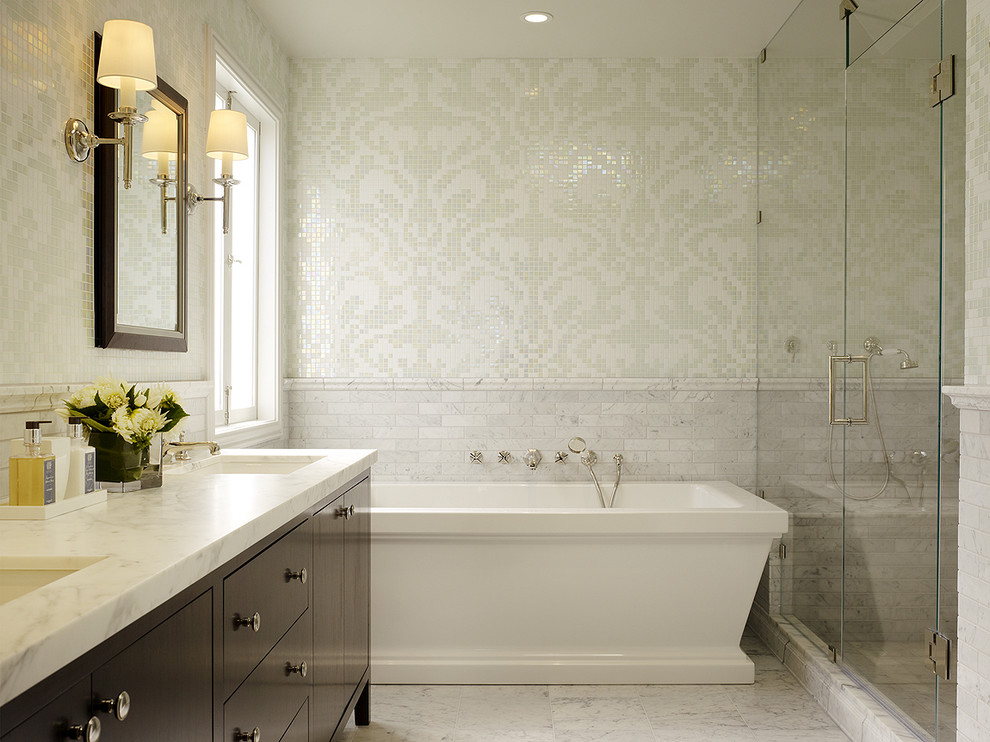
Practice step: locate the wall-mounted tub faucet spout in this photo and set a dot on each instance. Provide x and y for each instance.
(532, 458)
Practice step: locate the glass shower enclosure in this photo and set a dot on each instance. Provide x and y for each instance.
(861, 255)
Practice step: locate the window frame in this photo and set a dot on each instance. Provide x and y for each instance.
(265, 425)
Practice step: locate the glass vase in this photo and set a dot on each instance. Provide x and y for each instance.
(117, 461)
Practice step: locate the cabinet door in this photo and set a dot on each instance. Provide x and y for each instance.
(329, 694)
(168, 676)
(357, 584)
(52, 723)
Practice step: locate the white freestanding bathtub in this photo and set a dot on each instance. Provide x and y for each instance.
(536, 583)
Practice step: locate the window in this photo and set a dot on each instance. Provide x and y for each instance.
(245, 284)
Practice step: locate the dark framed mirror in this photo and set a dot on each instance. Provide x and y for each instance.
(140, 233)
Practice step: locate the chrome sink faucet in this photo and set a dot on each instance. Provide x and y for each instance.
(179, 450)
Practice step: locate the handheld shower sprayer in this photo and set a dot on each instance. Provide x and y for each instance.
(873, 348)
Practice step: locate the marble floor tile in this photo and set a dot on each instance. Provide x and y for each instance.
(604, 735)
(774, 709)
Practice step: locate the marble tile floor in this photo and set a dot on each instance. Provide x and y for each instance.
(775, 709)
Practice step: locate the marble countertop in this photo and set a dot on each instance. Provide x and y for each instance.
(157, 542)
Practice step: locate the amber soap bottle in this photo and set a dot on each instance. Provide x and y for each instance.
(32, 474)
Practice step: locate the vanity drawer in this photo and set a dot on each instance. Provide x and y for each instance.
(273, 694)
(261, 600)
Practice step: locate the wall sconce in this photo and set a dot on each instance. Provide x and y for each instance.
(160, 141)
(226, 140)
(127, 63)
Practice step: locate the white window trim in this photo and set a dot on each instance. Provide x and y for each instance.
(269, 426)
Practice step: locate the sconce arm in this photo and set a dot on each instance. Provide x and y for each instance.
(194, 199)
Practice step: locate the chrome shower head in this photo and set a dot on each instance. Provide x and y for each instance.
(907, 362)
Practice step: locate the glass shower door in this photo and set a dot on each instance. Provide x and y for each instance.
(894, 317)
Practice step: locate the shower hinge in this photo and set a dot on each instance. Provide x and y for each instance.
(939, 653)
(759, 216)
(763, 56)
(943, 81)
(762, 494)
(833, 654)
(847, 8)
(782, 550)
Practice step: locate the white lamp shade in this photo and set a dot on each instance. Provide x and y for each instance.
(160, 135)
(227, 135)
(128, 51)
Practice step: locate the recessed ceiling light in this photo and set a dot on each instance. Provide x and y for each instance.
(537, 16)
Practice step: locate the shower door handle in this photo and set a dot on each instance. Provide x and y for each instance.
(832, 419)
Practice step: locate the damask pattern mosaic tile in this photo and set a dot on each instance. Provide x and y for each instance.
(522, 218)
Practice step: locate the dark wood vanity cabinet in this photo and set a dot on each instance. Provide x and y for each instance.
(341, 602)
(276, 641)
(55, 720)
(135, 694)
(169, 668)
(357, 597)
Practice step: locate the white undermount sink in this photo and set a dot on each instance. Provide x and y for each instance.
(242, 464)
(20, 575)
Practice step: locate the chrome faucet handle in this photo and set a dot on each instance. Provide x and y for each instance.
(560, 457)
(504, 457)
(476, 457)
(618, 458)
(183, 453)
(533, 458)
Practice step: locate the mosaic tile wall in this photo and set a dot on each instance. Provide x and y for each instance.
(46, 76)
(893, 256)
(802, 176)
(522, 218)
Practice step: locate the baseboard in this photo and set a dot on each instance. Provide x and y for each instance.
(861, 716)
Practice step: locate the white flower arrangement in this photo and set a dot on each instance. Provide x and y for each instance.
(110, 405)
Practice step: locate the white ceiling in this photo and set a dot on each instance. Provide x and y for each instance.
(472, 28)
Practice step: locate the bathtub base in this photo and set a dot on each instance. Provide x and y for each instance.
(730, 667)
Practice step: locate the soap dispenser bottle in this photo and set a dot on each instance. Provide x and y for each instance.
(32, 474)
(82, 462)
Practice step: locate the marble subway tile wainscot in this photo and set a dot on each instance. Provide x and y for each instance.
(665, 428)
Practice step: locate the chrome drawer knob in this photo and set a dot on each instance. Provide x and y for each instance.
(120, 706)
(300, 668)
(90, 732)
(254, 621)
(301, 575)
(350, 511)
(253, 736)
